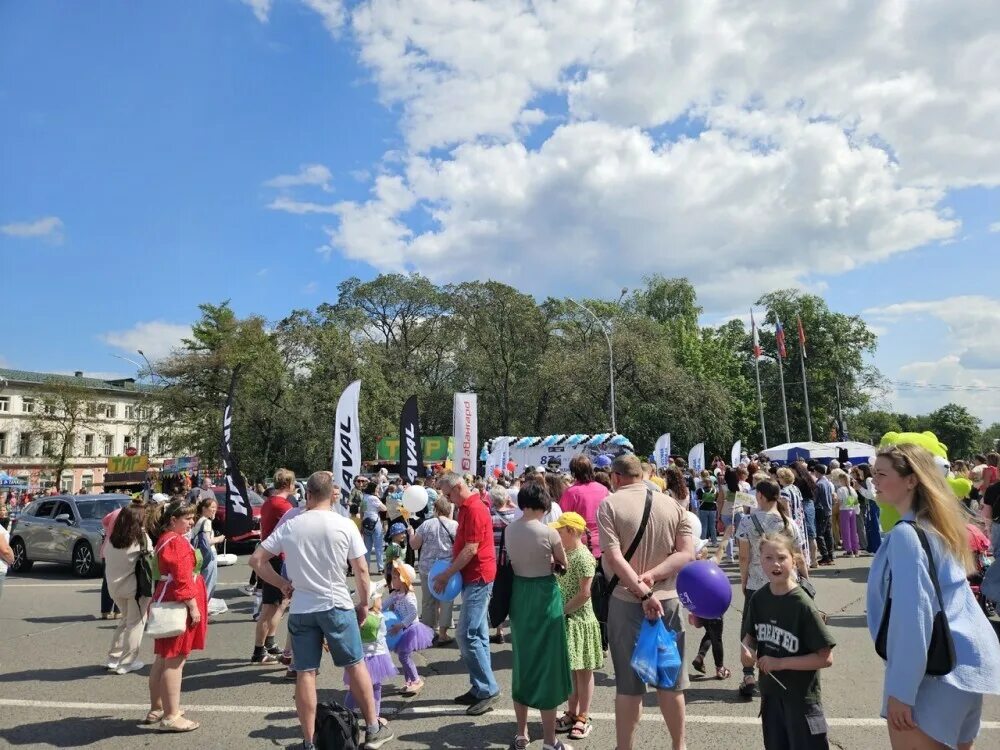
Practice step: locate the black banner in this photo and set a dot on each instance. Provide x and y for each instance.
(411, 460)
(239, 516)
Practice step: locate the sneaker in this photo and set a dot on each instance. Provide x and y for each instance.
(264, 658)
(307, 746)
(520, 742)
(248, 589)
(558, 746)
(291, 674)
(480, 707)
(275, 651)
(466, 699)
(111, 666)
(133, 667)
(381, 736)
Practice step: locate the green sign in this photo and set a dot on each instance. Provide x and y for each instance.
(436, 449)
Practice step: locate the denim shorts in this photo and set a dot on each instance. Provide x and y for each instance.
(809, 509)
(945, 713)
(340, 629)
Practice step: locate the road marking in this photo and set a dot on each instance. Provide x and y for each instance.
(415, 711)
(9, 586)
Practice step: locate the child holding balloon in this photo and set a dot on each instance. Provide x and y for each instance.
(785, 635)
(412, 634)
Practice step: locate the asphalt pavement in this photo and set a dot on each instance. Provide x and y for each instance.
(54, 693)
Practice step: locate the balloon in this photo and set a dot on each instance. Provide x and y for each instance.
(699, 543)
(390, 620)
(453, 587)
(415, 498)
(497, 472)
(704, 589)
(511, 466)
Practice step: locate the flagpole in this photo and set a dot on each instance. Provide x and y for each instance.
(784, 400)
(805, 391)
(760, 402)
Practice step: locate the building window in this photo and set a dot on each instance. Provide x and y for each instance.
(88, 445)
(4, 403)
(24, 444)
(109, 445)
(146, 412)
(50, 409)
(87, 482)
(91, 409)
(46, 481)
(129, 411)
(152, 446)
(110, 411)
(127, 443)
(144, 446)
(66, 483)
(28, 405)
(46, 443)
(3, 443)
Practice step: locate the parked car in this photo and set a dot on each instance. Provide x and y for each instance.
(256, 501)
(63, 529)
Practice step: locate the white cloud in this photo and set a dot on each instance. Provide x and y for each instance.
(973, 322)
(261, 8)
(291, 206)
(263, 272)
(49, 228)
(156, 338)
(925, 386)
(995, 226)
(315, 175)
(310, 288)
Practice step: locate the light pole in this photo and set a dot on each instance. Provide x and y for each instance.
(611, 357)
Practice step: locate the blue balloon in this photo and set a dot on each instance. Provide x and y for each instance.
(391, 619)
(704, 589)
(454, 586)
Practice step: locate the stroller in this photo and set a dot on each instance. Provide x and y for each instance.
(980, 545)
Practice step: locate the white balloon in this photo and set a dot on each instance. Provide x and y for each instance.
(695, 522)
(415, 498)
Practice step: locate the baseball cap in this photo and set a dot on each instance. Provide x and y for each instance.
(570, 520)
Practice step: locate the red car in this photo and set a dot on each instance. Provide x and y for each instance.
(256, 501)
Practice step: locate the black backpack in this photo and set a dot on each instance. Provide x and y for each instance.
(336, 728)
(146, 571)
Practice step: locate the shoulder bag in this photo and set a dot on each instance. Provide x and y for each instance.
(601, 587)
(146, 570)
(941, 651)
(166, 619)
(503, 585)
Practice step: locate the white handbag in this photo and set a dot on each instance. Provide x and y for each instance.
(166, 619)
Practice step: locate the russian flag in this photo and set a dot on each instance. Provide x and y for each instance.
(779, 338)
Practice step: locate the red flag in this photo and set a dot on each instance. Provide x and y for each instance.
(779, 339)
(802, 337)
(757, 351)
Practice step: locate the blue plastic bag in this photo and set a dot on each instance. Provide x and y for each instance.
(655, 659)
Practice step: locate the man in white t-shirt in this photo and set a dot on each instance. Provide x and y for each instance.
(318, 544)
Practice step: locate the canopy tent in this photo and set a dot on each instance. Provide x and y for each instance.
(786, 453)
(550, 450)
(9, 481)
(857, 453)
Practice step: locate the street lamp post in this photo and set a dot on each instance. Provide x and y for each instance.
(611, 357)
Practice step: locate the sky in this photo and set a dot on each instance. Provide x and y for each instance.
(154, 156)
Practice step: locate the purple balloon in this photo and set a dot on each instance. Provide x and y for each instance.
(704, 590)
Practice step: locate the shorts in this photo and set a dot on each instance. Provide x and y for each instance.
(792, 725)
(268, 593)
(624, 621)
(339, 627)
(809, 508)
(949, 715)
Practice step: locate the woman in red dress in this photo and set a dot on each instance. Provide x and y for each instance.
(176, 560)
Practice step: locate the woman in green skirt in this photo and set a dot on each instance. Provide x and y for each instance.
(538, 628)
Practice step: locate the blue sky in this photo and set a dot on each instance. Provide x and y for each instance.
(142, 145)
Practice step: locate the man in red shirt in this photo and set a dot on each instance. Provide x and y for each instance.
(473, 555)
(273, 602)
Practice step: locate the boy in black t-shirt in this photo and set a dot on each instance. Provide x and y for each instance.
(784, 635)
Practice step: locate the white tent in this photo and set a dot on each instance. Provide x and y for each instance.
(858, 453)
(788, 452)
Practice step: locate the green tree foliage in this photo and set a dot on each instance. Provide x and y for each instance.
(538, 367)
(956, 427)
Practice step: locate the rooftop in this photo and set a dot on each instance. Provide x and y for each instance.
(121, 385)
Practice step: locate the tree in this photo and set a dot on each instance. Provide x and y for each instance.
(957, 428)
(990, 439)
(65, 410)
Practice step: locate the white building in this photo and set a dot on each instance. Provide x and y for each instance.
(117, 418)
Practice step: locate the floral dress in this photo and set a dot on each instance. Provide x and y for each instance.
(583, 632)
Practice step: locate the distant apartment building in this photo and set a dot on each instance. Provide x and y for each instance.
(94, 419)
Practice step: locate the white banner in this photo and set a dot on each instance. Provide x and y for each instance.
(661, 453)
(498, 457)
(734, 454)
(465, 431)
(696, 458)
(347, 439)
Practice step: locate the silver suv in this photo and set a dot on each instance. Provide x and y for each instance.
(63, 529)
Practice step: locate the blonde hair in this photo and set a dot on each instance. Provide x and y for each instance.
(785, 476)
(782, 539)
(284, 479)
(933, 501)
(839, 475)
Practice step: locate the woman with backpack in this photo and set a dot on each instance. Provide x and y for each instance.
(127, 542)
(767, 518)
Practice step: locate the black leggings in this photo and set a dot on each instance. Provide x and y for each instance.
(713, 638)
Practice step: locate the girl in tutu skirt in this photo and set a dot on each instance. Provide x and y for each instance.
(377, 657)
(415, 635)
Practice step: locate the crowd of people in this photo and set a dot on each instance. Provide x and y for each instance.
(345, 569)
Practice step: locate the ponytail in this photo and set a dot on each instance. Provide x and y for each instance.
(772, 493)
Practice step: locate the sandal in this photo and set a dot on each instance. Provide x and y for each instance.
(565, 722)
(581, 728)
(699, 664)
(154, 717)
(180, 724)
(747, 688)
(722, 673)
